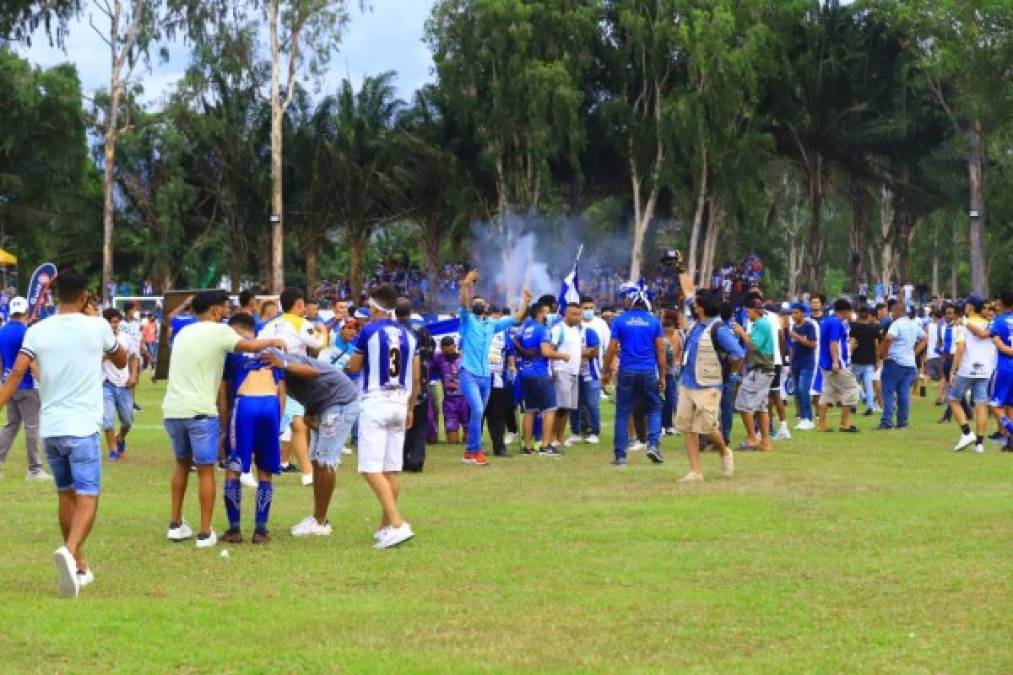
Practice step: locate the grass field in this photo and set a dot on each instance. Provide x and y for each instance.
(833, 553)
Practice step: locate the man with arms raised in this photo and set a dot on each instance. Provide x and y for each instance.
(68, 349)
(190, 408)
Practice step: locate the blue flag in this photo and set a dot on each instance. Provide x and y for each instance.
(569, 294)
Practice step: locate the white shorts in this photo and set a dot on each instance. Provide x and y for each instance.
(381, 435)
(876, 375)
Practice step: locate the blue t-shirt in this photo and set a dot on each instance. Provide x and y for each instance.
(1002, 328)
(833, 330)
(728, 343)
(11, 337)
(476, 340)
(179, 322)
(802, 356)
(533, 336)
(591, 371)
(636, 330)
(238, 366)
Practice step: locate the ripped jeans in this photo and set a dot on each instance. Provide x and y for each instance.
(333, 428)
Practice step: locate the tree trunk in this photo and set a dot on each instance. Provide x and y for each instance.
(701, 203)
(431, 252)
(860, 210)
(276, 273)
(710, 243)
(976, 231)
(643, 220)
(954, 263)
(814, 264)
(311, 252)
(887, 218)
(356, 256)
(109, 154)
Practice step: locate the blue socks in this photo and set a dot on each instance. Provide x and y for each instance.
(265, 493)
(233, 498)
(1007, 424)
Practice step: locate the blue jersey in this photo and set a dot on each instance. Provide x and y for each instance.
(1002, 328)
(833, 330)
(388, 349)
(533, 335)
(238, 366)
(590, 369)
(11, 337)
(636, 331)
(802, 356)
(179, 322)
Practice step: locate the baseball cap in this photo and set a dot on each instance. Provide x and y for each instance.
(362, 313)
(972, 299)
(19, 305)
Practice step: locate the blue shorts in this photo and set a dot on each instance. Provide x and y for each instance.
(293, 409)
(334, 426)
(76, 463)
(117, 402)
(539, 393)
(194, 437)
(978, 386)
(1001, 395)
(253, 434)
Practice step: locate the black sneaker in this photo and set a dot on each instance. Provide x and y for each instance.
(232, 536)
(551, 451)
(654, 454)
(868, 413)
(501, 453)
(883, 427)
(997, 436)
(528, 452)
(291, 468)
(137, 407)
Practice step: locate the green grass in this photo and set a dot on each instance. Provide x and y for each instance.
(833, 553)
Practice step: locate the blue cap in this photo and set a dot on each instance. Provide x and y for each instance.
(800, 306)
(974, 299)
(362, 313)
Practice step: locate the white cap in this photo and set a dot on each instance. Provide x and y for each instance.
(18, 305)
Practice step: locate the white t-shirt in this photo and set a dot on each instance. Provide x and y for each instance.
(979, 357)
(131, 328)
(68, 349)
(569, 340)
(297, 332)
(118, 376)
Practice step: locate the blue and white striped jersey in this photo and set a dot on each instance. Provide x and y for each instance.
(388, 349)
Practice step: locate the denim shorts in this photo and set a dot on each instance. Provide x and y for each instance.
(195, 437)
(978, 386)
(334, 426)
(76, 463)
(539, 393)
(117, 402)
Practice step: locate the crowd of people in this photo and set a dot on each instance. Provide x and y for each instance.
(268, 387)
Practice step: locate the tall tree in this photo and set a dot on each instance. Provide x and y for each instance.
(20, 18)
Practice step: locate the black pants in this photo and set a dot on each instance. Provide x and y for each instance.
(500, 417)
(415, 438)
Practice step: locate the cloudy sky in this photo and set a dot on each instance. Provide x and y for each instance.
(387, 38)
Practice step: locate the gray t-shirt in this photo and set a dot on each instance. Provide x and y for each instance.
(330, 389)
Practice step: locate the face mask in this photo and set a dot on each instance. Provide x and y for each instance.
(478, 309)
(587, 314)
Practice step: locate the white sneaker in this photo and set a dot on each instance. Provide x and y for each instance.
(66, 572)
(727, 464)
(592, 439)
(979, 448)
(395, 536)
(805, 425)
(782, 434)
(181, 533)
(37, 475)
(85, 578)
(381, 533)
(571, 441)
(248, 480)
(692, 477)
(965, 441)
(307, 479)
(346, 451)
(309, 527)
(636, 446)
(208, 541)
(509, 438)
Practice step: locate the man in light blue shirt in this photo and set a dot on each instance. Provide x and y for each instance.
(903, 340)
(477, 331)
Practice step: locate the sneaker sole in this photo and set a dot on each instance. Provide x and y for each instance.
(66, 575)
(381, 547)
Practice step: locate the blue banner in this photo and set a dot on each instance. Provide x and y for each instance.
(445, 327)
(38, 290)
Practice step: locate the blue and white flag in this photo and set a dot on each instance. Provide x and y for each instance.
(38, 290)
(569, 293)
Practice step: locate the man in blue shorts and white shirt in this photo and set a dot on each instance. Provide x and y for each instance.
(190, 408)
(23, 409)
(118, 388)
(386, 353)
(68, 349)
(973, 364)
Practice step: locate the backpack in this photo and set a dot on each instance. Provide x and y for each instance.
(726, 363)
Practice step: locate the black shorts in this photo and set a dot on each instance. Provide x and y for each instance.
(775, 384)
